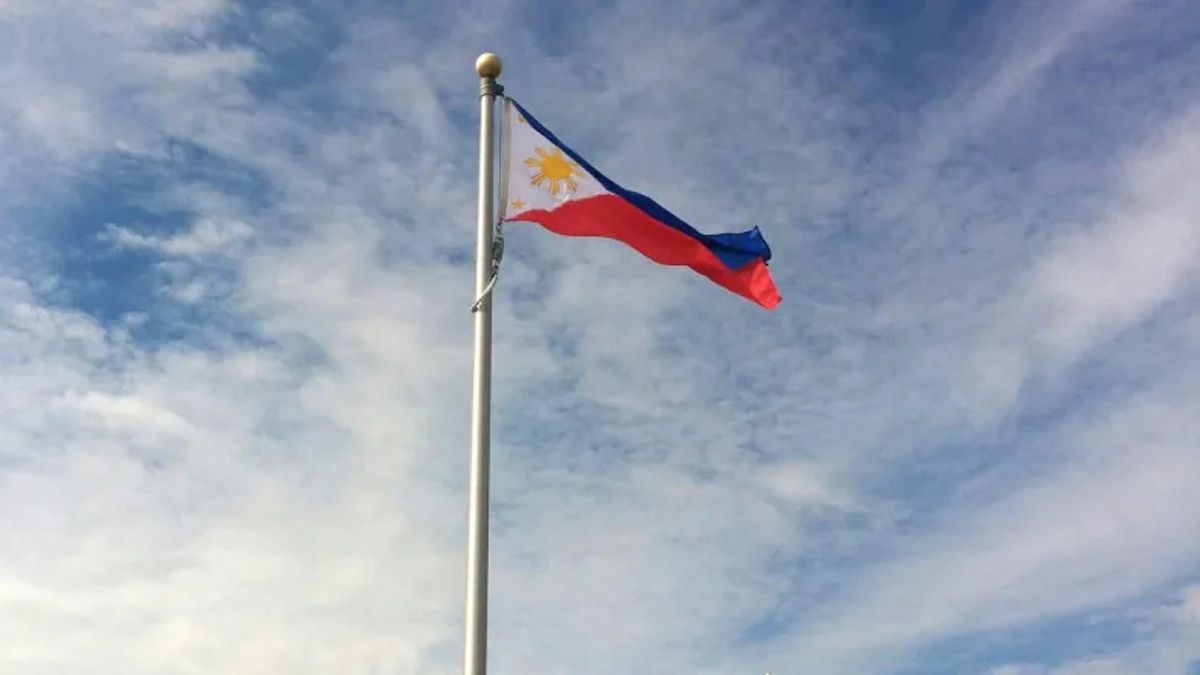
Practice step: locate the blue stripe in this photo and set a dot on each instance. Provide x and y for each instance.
(734, 249)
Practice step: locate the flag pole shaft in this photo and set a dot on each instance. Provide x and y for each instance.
(475, 643)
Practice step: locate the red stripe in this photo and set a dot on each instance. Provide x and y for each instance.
(612, 217)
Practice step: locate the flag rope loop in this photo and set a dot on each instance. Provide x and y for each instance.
(497, 256)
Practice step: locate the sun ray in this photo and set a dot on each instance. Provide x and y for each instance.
(554, 169)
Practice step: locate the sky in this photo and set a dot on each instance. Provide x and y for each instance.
(236, 248)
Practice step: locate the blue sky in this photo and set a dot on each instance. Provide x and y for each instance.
(235, 275)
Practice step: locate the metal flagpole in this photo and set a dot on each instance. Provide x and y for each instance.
(486, 261)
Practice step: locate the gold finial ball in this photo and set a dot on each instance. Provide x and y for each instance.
(488, 65)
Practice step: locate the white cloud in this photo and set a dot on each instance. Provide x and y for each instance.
(128, 412)
(197, 65)
(277, 487)
(205, 236)
(802, 483)
(1038, 38)
(1094, 283)
(58, 114)
(1055, 546)
(1112, 519)
(177, 14)
(1190, 606)
(1168, 641)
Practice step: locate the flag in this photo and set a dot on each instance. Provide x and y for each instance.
(545, 182)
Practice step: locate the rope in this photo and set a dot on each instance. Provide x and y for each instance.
(497, 256)
(498, 231)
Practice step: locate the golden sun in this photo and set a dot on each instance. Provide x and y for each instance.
(554, 168)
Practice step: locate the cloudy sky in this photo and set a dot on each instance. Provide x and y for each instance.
(235, 272)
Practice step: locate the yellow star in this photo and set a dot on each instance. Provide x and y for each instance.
(518, 205)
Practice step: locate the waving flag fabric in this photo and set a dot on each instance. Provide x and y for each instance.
(547, 183)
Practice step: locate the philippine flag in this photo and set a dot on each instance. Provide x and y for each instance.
(545, 182)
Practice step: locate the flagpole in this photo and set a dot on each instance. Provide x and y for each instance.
(475, 644)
